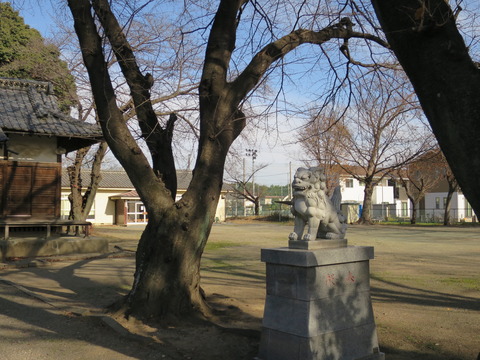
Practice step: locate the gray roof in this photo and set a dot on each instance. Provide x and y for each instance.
(118, 179)
(30, 106)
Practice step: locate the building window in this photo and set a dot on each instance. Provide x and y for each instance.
(437, 203)
(396, 192)
(349, 183)
(468, 209)
(404, 209)
(444, 202)
(136, 212)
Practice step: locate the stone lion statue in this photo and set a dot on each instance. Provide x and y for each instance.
(315, 213)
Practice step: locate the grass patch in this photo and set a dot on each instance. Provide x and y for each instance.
(393, 277)
(467, 283)
(221, 265)
(380, 277)
(401, 279)
(273, 218)
(407, 223)
(216, 245)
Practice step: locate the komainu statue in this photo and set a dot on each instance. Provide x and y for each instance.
(316, 215)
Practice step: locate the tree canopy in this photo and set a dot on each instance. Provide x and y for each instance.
(24, 54)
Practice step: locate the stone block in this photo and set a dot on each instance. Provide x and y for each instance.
(319, 257)
(356, 343)
(310, 318)
(318, 305)
(308, 283)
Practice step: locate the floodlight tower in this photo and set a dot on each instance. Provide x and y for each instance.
(253, 154)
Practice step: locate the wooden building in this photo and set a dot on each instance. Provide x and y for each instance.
(34, 135)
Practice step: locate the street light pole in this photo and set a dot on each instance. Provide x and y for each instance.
(244, 184)
(253, 154)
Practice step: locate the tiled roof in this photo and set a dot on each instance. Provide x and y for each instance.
(30, 106)
(130, 194)
(118, 179)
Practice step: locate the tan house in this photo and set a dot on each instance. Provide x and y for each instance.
(117, 202)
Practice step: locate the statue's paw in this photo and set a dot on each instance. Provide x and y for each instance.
(293, 236)
(332, 235)
(307, 237)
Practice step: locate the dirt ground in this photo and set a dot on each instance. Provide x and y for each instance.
(425, 292)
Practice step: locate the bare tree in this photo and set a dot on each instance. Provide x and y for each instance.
(376, 135)
(244, 188)
(419, 177)
(82, 197)
(322, 141)
(452, 187)
(175, 87)
(427, 39)
(167, 276)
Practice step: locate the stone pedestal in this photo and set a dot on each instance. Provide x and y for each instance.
(318, 305)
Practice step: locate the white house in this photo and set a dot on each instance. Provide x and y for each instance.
(388, 199)
(433, 208)
(117, 202)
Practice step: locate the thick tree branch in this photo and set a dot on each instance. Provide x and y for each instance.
(221, 44)
(274, 51)
(158, 140)
(115, 131)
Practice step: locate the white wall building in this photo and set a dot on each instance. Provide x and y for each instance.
(460, 209)
(388, 199)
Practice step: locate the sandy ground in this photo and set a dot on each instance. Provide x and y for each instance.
(425, 291)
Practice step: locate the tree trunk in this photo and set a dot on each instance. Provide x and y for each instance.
(428, 45)
(366, 217)
(81, 201)
(257, 206)
(413, 218)
(448, 206)
(76, 197)
(452, 187)
(167, 277)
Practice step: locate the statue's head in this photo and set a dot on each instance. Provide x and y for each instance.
(308, 180)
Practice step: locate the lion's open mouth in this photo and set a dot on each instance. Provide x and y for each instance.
(300, 188)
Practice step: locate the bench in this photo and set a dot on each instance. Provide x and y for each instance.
(6, 224)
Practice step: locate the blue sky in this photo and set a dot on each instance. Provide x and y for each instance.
(35, 16)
